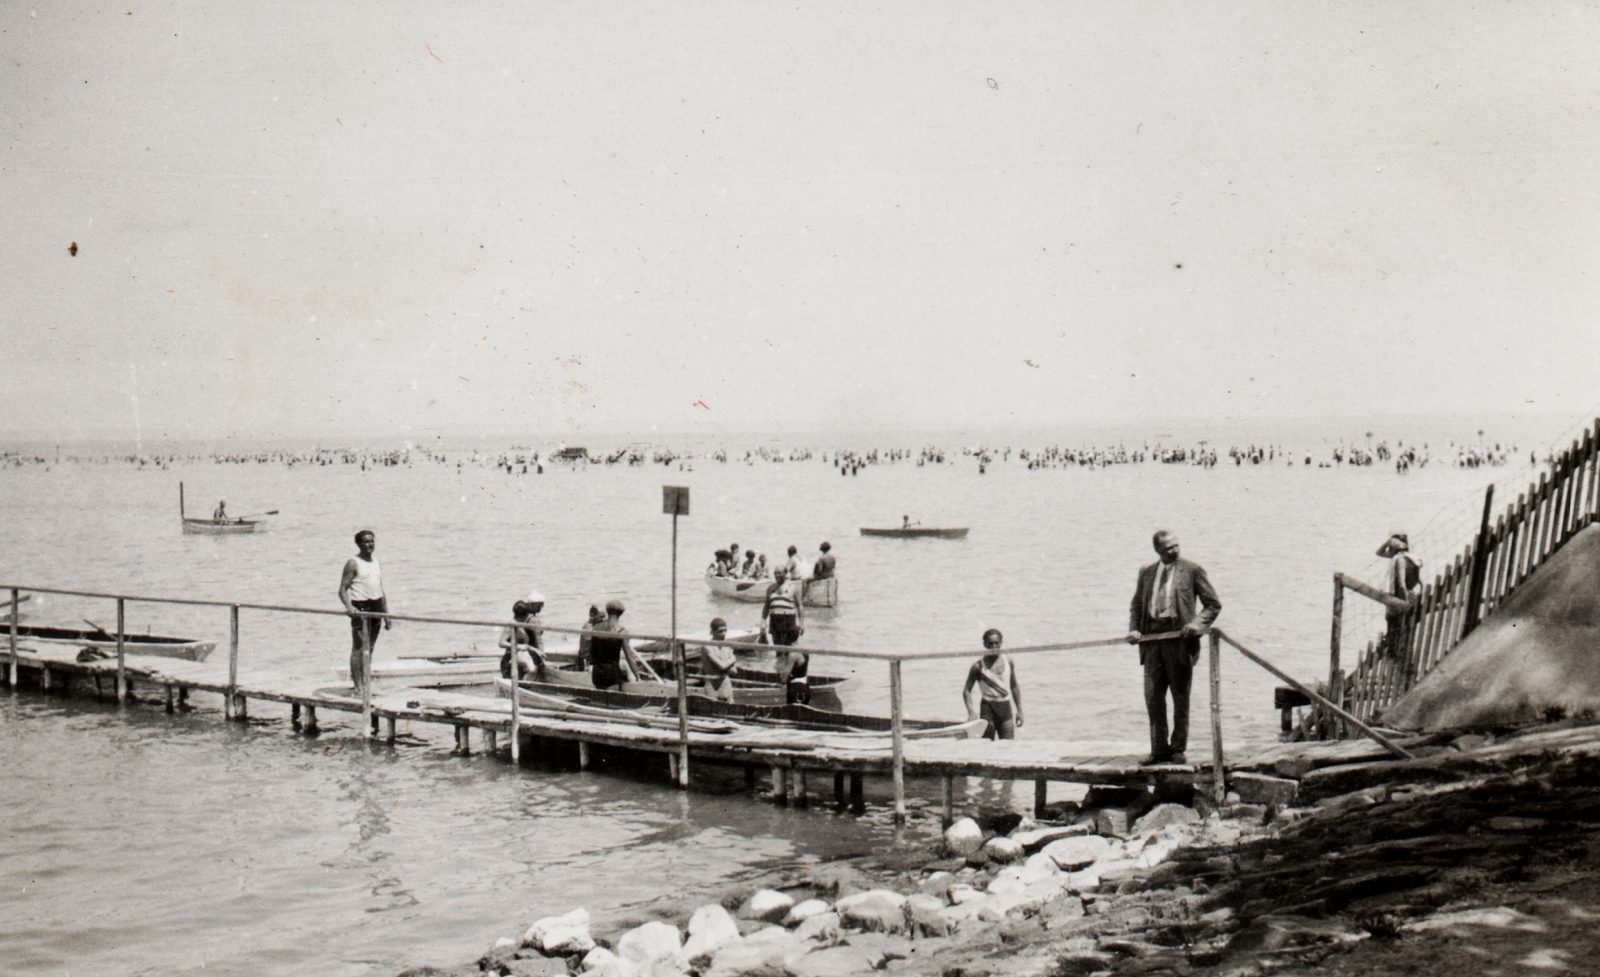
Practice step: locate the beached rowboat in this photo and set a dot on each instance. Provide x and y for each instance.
(912, 532)
(133, 644)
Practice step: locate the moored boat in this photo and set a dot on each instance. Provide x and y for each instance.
(816, 593)
(221, 527)
(750, 687)
(430, 673)
(133, 644)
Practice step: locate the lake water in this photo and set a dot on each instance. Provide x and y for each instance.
(138, 842)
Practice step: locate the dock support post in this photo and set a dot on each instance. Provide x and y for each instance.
(895, 696)
(294, 714)
(1333, 652)
(44, 678)
(780, 789)
(228, 704)
(1041, 790)
(1219, 789)
(749, 775)
(311, 721)
(800, 796)
(389, 732)
(838, 789)
(858, 803)
(16, 607)
(169, 699)
(672, 765)
(366, 669)
(516, 699)
(374, 724)
(122, 652)
(241, 708)
(583, 755)
(949, 814)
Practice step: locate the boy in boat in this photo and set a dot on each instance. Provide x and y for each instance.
(996, 680)
(525, 639)
(749, 569)
(361, 589)
(720, 566)
(596, 618)
(718, 663)
(823, 568)
(609, 653)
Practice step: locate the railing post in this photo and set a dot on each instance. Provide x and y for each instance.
(16, 609)
(122, 662)
(516, 696)
(1219, 780)
(1335, 668)
(366, 672)
(898, 742)
(230, 707)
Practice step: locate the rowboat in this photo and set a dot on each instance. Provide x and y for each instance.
(217, 527)
(750, 687)
(779, 725)
(913, 532)
(815, 593)
(430, 673)
(133, 644)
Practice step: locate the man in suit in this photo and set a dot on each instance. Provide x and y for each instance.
(1164, 601)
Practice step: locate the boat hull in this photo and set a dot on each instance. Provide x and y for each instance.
(917, 532)
(230, 527)
(817, 593)
(133, 644)
(752, 692)
(428, 673)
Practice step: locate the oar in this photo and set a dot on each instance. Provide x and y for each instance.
(98, 628)
(252, 515)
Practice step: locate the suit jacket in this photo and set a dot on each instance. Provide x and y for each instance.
(1190, 586)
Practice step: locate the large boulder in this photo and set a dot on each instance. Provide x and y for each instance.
(598, 957)
(1035, 839)
(1040, 868)
(1072, 854)
(924, 916)
(767, 905)
(823, 926)
(650, 942)
(963, 893)
(1002, 849)
(710, 929)
(1164, 816)
(802, 911)
(561, 935)
(879, 910)
(1007, 880)
(765, 952)
(963, 838)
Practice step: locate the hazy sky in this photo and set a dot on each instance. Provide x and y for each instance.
(416, 216)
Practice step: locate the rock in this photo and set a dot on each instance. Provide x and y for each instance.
(768, 905)
(963, 838)
(1084, 962)
(937, 884)
(615, 966)
(1002, 824)
(944, 865)
(768, 952)
(1021, 931)
(1245, 812)
(835, 961)
(881, 948)
(539, 967)
(597, 957)
(1061, 911)
(1040, 868)
(1511, 825)
(1071, 854)
(925, 916)
(497, 959)
(1111, 821)
(1154, 855)
(978, 859)
(1085, 881)
(1007, 880)
(1165, 815)
(839, 879)
(1116, 869)
(1472, 741)
(1002, 849)
(960, 894)
(1271, 933)
(1258, 788)
(823, 926)
(803, 911)
(710, 929)
(469, 970)
(561, 936)
(649, 942)
(1035, 839)
(880, 911)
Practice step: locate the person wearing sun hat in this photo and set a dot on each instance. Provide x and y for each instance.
(1405, 585)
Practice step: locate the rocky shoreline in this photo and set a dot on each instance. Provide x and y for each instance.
(1483, 857)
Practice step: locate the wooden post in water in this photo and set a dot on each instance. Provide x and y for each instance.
(229, 705)
(675, 500)
(122, 661)
(1480, 561)
(1219, 782)
(16, 608)
(1334, 668)
(949, 816)
(366, 669)
(516, 696)
(898, 739)
(1041, 791)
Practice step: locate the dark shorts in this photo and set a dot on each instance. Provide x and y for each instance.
(799, 693)
(1002, 719)
(784, 629)
(368, 624)
(606, 676)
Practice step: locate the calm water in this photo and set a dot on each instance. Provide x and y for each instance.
(142, 843)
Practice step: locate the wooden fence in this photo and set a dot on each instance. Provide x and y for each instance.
(1501, 556)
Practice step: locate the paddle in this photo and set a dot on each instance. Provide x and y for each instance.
(98, 628)
(252, 515)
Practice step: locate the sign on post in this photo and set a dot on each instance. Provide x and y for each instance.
(675, 500)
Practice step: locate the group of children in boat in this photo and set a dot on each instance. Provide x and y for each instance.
(754, 566)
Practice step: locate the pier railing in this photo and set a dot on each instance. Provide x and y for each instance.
(233, 704)
(1502, 555)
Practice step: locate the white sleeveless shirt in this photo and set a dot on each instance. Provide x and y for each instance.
(995, 683)
(368, 582)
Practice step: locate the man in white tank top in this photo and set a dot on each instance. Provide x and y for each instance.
(996, 678)
(361, 589)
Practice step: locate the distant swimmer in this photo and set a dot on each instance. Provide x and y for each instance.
(221, 515)
(524, 639)
(823, 568)
(361, 589)
(1000, 702)
(718, 663)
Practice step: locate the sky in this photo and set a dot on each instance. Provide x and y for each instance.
(413, 217)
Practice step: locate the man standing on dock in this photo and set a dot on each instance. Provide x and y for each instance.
(996, 681)
(1164, 601)
(361, 589)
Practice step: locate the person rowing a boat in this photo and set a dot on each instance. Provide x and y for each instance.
(525, 639)
(996, 680)
(610, 656)
(221, 515)
(823, 568)
(361, 589)
(749, 569)
(718, 663)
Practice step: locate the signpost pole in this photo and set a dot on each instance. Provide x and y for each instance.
(675, 500)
